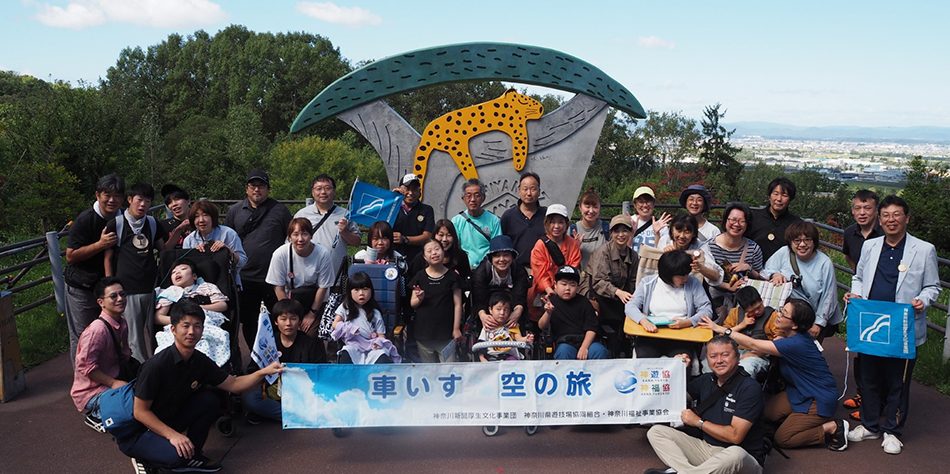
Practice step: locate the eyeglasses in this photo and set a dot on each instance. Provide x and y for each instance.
(321, 189)
(886, 216)
(736, 221)
(256, 186)
(115, 296)
(470, 196)
(801, 241)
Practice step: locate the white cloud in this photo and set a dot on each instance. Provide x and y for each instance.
(80, 14)
(654, 42)
(350, 17)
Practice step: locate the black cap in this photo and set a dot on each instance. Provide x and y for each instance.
(258, 174)
(567, 272)
(169, 189)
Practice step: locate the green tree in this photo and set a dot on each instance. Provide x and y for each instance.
(620, 157)
(293, 163)
(672, 135)
(927, 184)
(718, 155)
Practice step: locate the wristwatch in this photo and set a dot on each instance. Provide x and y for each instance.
(701, 421)
(728, 332)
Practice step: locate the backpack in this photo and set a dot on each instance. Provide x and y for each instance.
(116, 408)
(120, 224)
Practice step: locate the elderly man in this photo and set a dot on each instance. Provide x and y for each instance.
(331, 229)
(901, 268)
(261, 223)
(415, 221)
(475, 227)
(85, 254)
(729, 406)
(524, 223)
(769, 223)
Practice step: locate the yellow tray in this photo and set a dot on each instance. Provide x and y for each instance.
(631, 328)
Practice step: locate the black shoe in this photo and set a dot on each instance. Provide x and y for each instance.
(838, 441)
(95, 424)
(660, 470)
(253, 418)
(199, 463)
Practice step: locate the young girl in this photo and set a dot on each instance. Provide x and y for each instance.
(455, 258)
(359, 324)
(437, 300)
(380, 238)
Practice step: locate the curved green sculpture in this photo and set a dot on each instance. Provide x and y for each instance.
(466, 62)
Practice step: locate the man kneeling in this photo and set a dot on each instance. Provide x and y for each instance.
(730, 404)
(169, 398)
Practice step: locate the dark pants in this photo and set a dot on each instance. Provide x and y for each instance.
(344, 358)
(611, 315)
(250, 297)
(196, 416)
(885, 392)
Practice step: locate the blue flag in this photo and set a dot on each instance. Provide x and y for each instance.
(369, 204)
(881, 328)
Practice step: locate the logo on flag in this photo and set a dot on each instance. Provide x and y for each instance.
(265, 351)
(881, 328)
(370, 204)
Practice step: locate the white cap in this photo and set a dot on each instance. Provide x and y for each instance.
(557, 210)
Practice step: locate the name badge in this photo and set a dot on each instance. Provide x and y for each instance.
(771, 236)
(902, 268)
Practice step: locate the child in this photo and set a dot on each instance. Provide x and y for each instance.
(572, 320)
(499, 307)
(380, 249)
(359, 324)
(437, 300)
(294, 346)
(752, 318)
(187, 284)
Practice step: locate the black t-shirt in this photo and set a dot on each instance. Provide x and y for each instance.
(764, 225)
(524, 232)
(137, 268)
(167, 226)
(419, 219)
(575, 316)
(304, 350)
(261, 242)
(168, 380)
(745, 401)
(463, 268)
(435, 317)
(86, 230)
(854, 240)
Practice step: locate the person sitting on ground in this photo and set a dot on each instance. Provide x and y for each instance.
(812, 274)
(669, 298)
(359, 325)
(573, 321)
(498, 272)
(806, 407)
(554, 250)
(752, 318)
(168, 404)
(187, 284)
(211, 236)
(499, 304)
(729, 407)
(437, 301)
(98, 359)
(697, 202)
(302, 270)
(683, 236)
(294, 346)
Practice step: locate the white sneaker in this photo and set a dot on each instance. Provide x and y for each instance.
(891, 444)
(860, 433)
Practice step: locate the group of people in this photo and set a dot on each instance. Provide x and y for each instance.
(527, 272)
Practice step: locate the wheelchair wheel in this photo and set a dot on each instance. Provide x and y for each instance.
(490, 430)
(530, 430)
(225, 426)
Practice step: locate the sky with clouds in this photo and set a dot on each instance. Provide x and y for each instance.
(867, 63)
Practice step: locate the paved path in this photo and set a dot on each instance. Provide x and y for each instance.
(41, 431)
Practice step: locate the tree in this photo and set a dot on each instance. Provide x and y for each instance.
(718, 155)
(620, 156)
(295, 162)
(927, 186)
(672, 135)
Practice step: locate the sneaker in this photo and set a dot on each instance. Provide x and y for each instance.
(860, 433)
(139, 468)
(838, 441)
(891, 444)
(855, 415)
(95, 424)
(660, 470)
(199, 463)
(853, 402)
(253, 418)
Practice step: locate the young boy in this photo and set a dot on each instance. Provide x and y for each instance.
(499, 308)
(573, 321)
(752, 318)
(294, 347)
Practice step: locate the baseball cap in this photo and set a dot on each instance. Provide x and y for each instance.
(620, 219)
(643, 190)
(567, 272)
(170, 189)
(557, 210)
(258, 174)
(409, 179)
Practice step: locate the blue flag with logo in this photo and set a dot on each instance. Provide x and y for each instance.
(881, 328)
(369, 204)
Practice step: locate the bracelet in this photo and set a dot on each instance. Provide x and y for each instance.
(314, 311)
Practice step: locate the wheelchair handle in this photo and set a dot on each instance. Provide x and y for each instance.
(515, 344)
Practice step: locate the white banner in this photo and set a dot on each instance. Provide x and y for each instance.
(507, 393)
(265, 351)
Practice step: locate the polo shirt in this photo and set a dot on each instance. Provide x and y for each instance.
(328, 235)
(854, 240)
(807, 374)
(168, 380)
(884, 286)
(261, 242)
(764, 224)
(745, 401)
(524, 232)
(412, 222)
(471, 240)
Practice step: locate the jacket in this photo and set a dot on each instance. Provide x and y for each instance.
(482, 288)
(697, 303)
(609, 269)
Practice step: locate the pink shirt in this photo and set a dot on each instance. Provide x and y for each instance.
(96, 351)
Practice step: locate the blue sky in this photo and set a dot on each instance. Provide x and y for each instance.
(865, 63)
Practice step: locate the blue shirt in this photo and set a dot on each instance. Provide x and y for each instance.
(884, 286)
(807, 375)
(471, 240)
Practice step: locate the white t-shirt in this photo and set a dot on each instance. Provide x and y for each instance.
(316, 268)
(668, 301)
(708, 231)
(328, 235)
